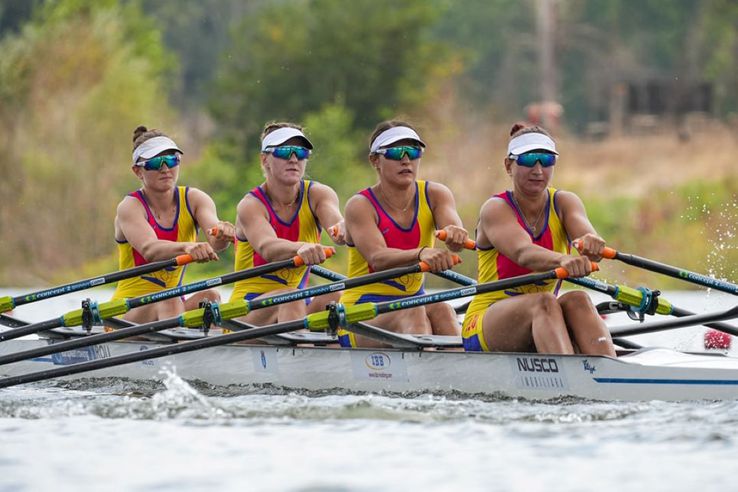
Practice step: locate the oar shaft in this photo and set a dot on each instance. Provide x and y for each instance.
(156, 353)
(30, 329)
(121, 306)
(90, 340)
(674, 272)
(724, 327)
(699, 319)
(8, 303)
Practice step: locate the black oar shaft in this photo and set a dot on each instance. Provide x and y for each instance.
(253, 305)
(120, 306)
(724, 327)
(156, 353)
(674, 272)
(96, 281)
(30, 329)
(91, 340)
(698, 319)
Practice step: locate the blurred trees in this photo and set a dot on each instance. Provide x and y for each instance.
(74, 83)
(76, 76)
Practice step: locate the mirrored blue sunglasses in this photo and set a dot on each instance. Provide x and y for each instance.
(286, 151)
(397, 153)
(529, 159)
(155, 163)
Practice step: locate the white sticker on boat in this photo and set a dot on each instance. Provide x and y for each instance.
(265, 360)
(378, 366)
(534, 372)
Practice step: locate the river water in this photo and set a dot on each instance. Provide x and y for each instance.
(113, 434)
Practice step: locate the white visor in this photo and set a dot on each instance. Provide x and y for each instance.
(393, 135)
(530, 141)
(278, 137)
(153, 147)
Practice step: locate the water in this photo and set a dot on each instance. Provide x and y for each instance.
(113, 434)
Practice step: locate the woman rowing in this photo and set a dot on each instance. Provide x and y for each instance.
(392, 224)
(528, 229)
(283, 218)
(160, 221)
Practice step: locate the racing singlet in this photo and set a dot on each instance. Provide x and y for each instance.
(184, 229)
(495, 266)
(419, 234)
(303, 226)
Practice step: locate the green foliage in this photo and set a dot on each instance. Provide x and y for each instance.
(340, 151)
(291, 58)
(74, 83)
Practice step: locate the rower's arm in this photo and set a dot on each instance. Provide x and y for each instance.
(500, 226)
(443, 206)
(131, 222)
(363, 233)
(206, 215)
(326, 208)
(253, 225)
(578, 227)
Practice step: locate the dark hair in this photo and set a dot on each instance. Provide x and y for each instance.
(386, 125)
(276, 125)
(142, 134)
(521, 128)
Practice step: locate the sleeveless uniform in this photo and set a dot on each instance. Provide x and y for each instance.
(303, 226)
(419, 234)
(496, 266)
(184, 229)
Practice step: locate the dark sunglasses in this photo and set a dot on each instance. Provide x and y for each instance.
(286, 151)
(155, 163)
(529, 159)
(397, 153)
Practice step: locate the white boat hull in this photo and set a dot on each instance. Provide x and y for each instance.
(654, 374)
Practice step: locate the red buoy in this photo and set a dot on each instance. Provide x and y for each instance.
(717, 340)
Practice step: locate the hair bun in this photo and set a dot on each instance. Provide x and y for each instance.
(516, 128)
(140, 130)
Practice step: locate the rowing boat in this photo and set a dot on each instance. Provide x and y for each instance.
(647, 374)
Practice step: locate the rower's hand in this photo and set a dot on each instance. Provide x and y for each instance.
(338, 232)
(224, 231)
(312, 253)
(437, 259)
(201, 252)
(456, 237)
(591, 246)
(576, 266)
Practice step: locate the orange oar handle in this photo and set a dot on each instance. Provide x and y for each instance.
(561, 272)
(183, 259)
(468, 244)
(608, 253)
(424, 267)
(328, 253)
(213, 231)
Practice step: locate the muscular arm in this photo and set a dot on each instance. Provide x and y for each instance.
(577, 225)
(204, 211)
(325, 205)
(445, 215)
(132, 224)
(253, 223)
(500, 226)
(362, 231)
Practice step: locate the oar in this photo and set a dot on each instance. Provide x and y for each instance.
(315, 321)
(641, 298)
(117, 307)
(692, 320)
(468, 244)
(7, 303)
(670, 271)
(227, 311)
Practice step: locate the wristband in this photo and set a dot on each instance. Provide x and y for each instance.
(421, 250)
